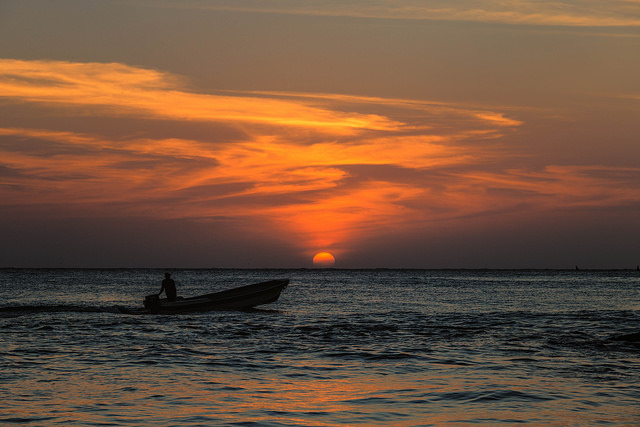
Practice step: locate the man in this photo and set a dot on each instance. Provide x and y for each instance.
(169, 287)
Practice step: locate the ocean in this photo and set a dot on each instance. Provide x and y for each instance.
(340, 347)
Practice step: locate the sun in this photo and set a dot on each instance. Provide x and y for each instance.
(324, 259)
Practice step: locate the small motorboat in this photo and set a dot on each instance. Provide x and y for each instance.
(242, 298)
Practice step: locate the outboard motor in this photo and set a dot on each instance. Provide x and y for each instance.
(152, 302)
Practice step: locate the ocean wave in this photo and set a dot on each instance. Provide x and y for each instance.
(21, 310)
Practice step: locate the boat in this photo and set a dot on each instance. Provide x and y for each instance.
(241, 298)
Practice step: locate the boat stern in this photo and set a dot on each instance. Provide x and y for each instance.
(152, 302)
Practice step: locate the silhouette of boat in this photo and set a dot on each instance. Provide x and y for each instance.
(241, 298)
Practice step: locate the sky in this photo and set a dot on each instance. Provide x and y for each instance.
(256, 133)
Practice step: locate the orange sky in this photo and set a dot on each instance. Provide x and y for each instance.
(234, 134)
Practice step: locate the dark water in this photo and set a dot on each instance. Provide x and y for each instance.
(368, 347)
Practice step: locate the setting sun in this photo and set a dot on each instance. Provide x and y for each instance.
(324, 259)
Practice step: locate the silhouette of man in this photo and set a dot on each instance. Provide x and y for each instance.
(169, 287)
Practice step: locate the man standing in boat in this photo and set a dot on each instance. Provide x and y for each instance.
(169, 287)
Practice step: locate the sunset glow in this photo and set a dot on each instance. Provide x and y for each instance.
(354, 147)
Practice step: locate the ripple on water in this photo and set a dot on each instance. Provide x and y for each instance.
(344, 348)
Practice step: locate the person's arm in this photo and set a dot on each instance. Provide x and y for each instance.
(161, 289)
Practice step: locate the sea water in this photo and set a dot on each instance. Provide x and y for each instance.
(340, 347)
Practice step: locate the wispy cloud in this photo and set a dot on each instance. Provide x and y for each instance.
(325, 168)
(118, 89)
(569, 13)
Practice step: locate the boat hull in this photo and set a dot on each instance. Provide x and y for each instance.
(242, 298)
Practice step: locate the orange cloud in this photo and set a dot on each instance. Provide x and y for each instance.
(570, 13)
(122, 90)
(311, 166)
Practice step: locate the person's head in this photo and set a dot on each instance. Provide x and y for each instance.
(167, 275)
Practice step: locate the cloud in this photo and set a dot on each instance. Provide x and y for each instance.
(568, 13)
(324, 169)
(121, 90)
